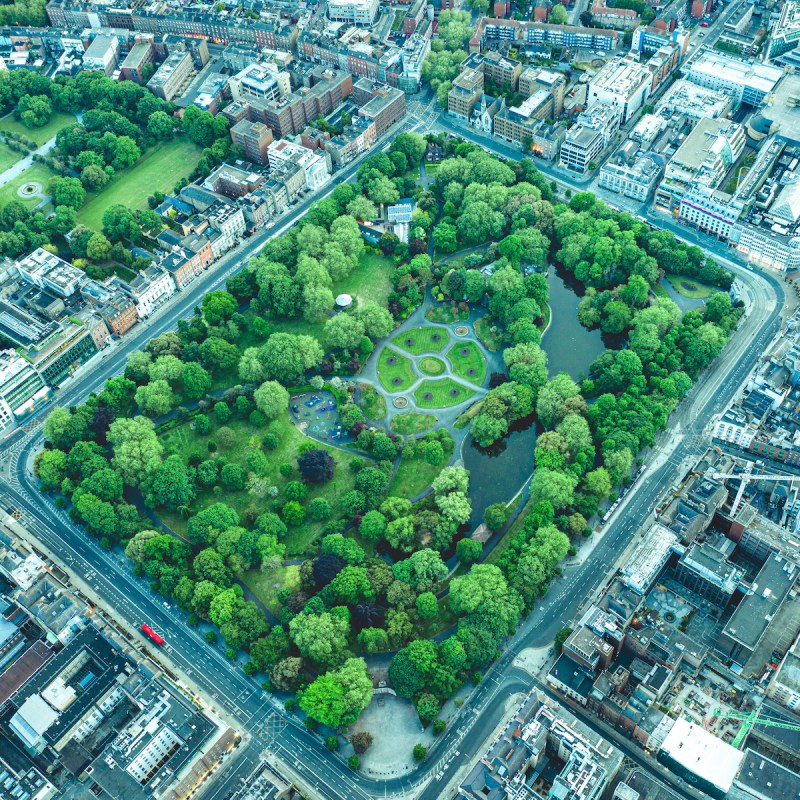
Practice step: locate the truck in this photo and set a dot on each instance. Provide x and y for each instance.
(152, 635)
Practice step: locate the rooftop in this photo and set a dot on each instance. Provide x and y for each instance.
(762, 777)
(732, 70)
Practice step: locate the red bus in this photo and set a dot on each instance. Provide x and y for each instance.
(152, 635)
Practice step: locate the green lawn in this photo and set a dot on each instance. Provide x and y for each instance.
(184, 441)
(422, 340)
(492, 340)
(371, 279)
(265, 584)
(372, 403)
(410, 422)
(8, 157)
(413, 476)
(431, 366)
(37, 173)
(395, 371)
(158, 170)
(690, 288)
(441, 393)
(38, 135)
(470, 366)
(448, 313)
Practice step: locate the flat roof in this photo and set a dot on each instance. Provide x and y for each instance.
(702, 754)
(765, 779)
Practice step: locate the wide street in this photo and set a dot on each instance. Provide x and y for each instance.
(299, 753)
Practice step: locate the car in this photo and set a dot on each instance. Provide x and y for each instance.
(703, 24)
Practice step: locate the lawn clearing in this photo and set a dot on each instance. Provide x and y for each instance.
(414, 475)
(372, 403)
(266, 583)
(491, 339)
(468, 362)
(410, 422)
(688, 287)
(158, 170)
(441, 394)
(395, 371)
(35, 173)
(38, 135)
(299, 539)
(431, 366)
(422, 340)
(369, 281)
(448, 313)
(8, 157)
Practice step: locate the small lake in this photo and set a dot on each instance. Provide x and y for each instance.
(570, 347)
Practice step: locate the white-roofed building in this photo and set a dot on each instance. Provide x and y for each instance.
(745, 82)
(32, 721)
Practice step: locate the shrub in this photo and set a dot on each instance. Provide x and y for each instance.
(354, 762)
(438, 727)
(420, 752)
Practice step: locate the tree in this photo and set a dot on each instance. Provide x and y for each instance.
(51, 468)
(208, 523)
(120, 223)
(218, 306)
(251, 370)
(169, 485)
(455, 506)
(317, 301)
(344, 331)
(361, 741)
(354, 762)
(68, 192)
(495, 516)
(377, 321)
(362, 208)
(373, 526)
(561, 637)
(98, 248)
(196, 380)
(320, 637)
(426, 605)
(160, 125)
(293, 513)
(554, 487)
(558, 15)
(421, 570)
(451, 479)
(468, 551)
(271, 399)
(218, 356)
(155, 398)
(420, 752)
(527, 364)
(286, 357)
(316, 466)
(337, 698)
(137, 449)
(484, 591)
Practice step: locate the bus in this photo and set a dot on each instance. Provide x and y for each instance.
(152, 635)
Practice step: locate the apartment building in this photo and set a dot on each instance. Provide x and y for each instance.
(356, 12)
(386, 107)
(619, 18)
(102, 55)
(533, 79)
(140, 55)
(260, 80)
(170, 78)
(315, 165)
(490, 29)
(635, 178)
(517, 124)
(150, 289)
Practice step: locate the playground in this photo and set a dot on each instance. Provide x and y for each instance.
(317, 415)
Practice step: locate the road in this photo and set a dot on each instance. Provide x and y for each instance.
(230, 692)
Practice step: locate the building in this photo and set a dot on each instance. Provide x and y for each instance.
(705, 570)
(51, 273)
(264, 783)
(170, 78)
(140, 56)
(22, 389)
(102, 55)
(625, 19)
(356, 12)
(212, 93)
(636, 178)
(532, 80)
(700, 757)
(780, 115)
(746, 83)
(386, 107)
(490, 29)
(254, 138)
(649, 558)
(784, 688)
(516, 124)
(260, 80)
(734, 427)
(150, 289)
(497, 68)
(25, 784)
(757, 609)
(648, 39)
(315, 165)
(355, 139)
(111, 301)
(624, 84)
(693, 101)
(589, 137)
(546, 140)
(465, 94)
(786, 31)
(704, 158)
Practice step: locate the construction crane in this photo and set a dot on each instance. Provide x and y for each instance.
(751, 719)
(745, 478)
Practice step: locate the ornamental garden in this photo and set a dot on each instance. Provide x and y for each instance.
(291, 474)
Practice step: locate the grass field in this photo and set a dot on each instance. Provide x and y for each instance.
(8, 157)
(422, 340)
(410, 422)
(413, 476)
(184, 441)
(265, 584)
(38, 135)
(690, 288)
(441, 391)
(37, 173)
(372, 403)
(431, 366)
(392, 366)
(463, 364)
(158, 170)
(491, 341)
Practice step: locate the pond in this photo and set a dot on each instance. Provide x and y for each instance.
(570, 347)
(498, 472)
